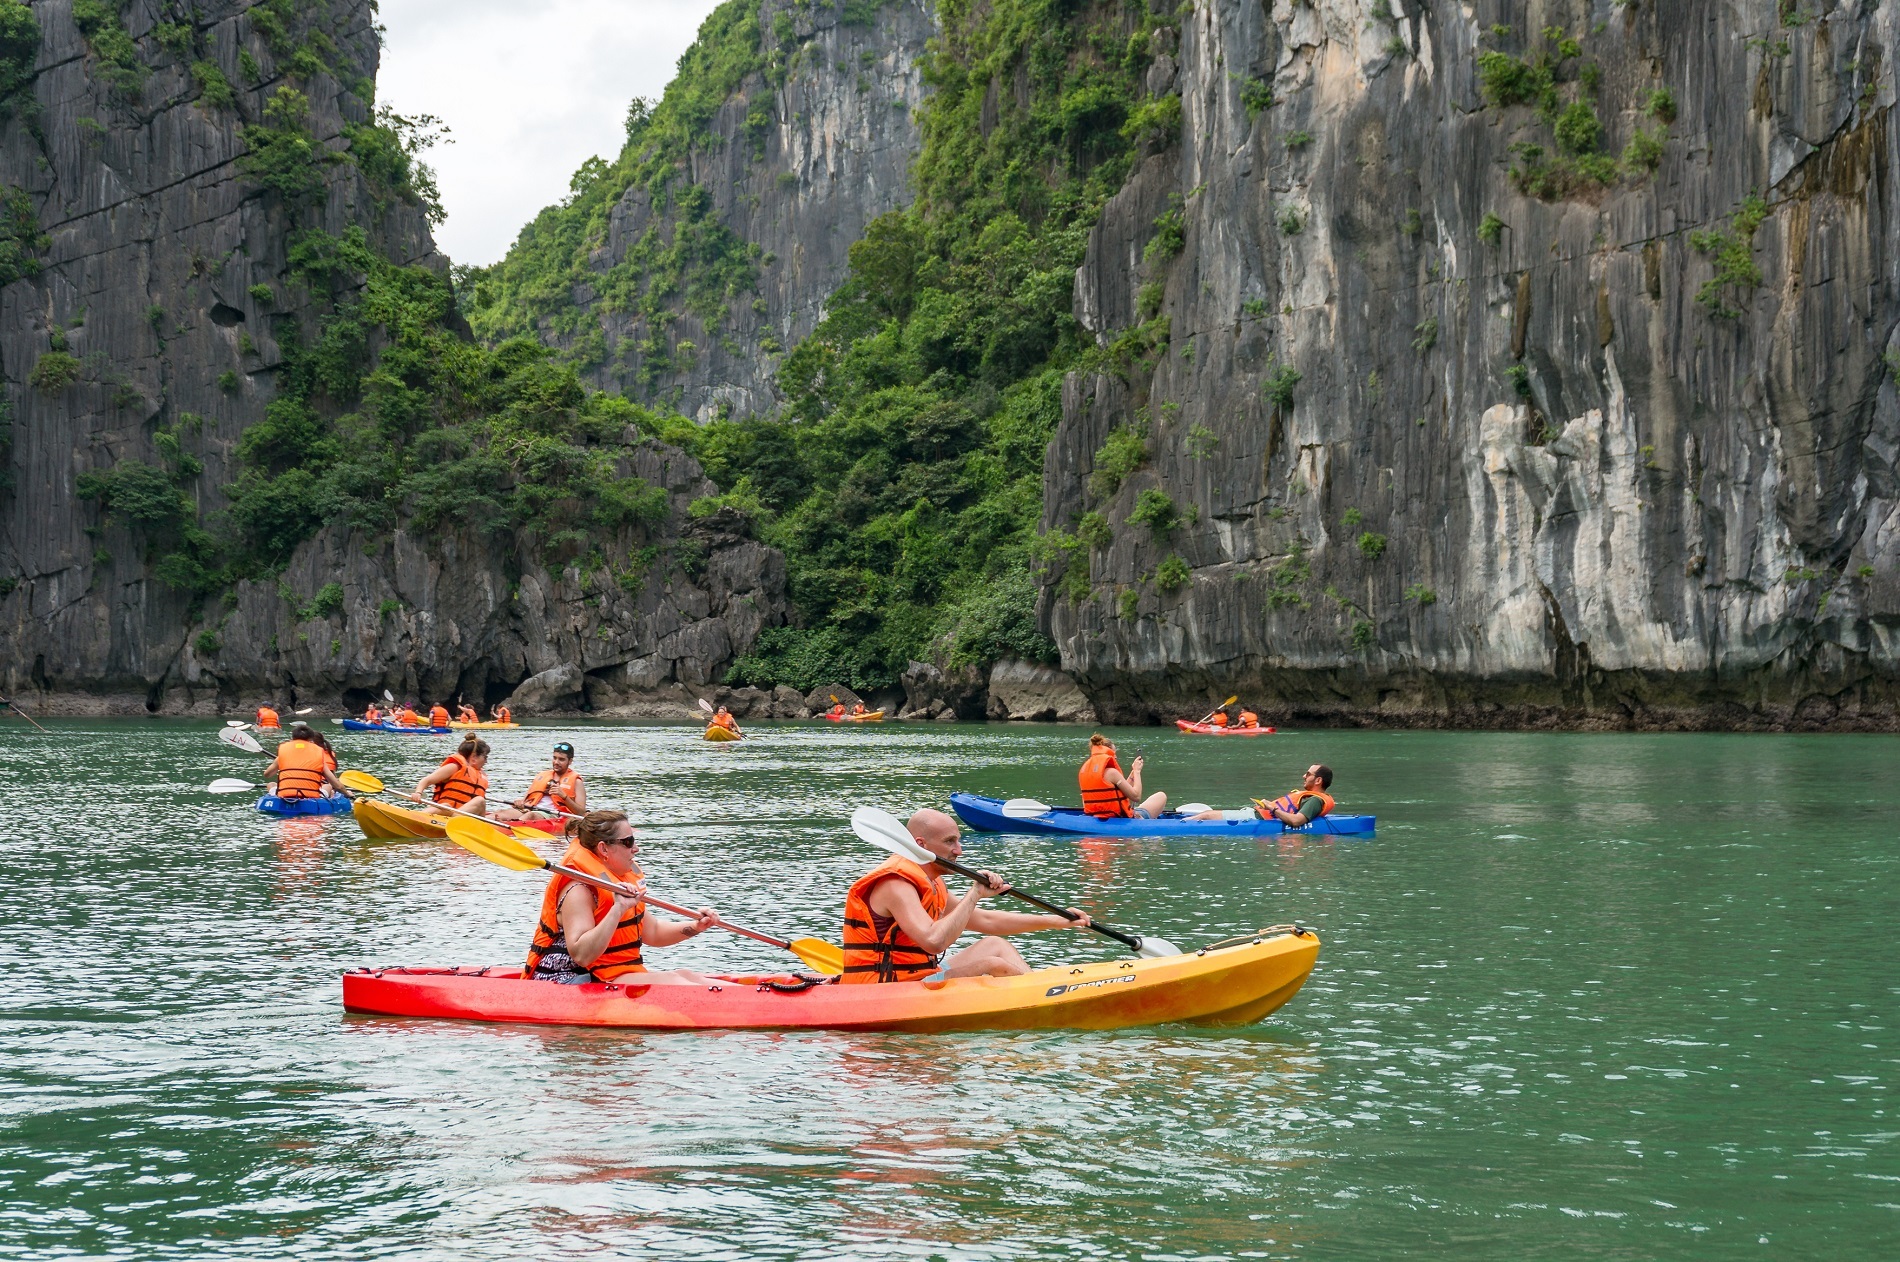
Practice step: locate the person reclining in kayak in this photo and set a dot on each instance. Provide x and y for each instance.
(1296, 809)
(592, 935)
(303, 768)
(1107, 793)
(460, 781)
(557, 791)
(899, 919)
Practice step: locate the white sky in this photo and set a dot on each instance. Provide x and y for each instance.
(530, 90)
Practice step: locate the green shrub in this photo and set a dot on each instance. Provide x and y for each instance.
(1092, 530)
(228, 381)
(207, 643)
(1490, 229)
(1128, 604)
(1352, 517)
(1661, 106)
(1425, 334)
(116, 57)
(214, 89)
(281, 154)
(1256, 95)
(1298, 139)
(1520, 378)
(1278, 385)
(1364, 635)
(327, 601)
(1156, 511)
(1148, 299)
(995, 621)
(1202, 442)
(386, 606)
(1505, 81)
(1732, 250)
(21, 241)
(1644, 152)
(1285, 579)
(263, 295)
(1422, 594)
(1172, 574)
(1578, 128)
(1371, 546)
(1170, 236)
(1155, 122)
(1124, 451)
(19, 48)
(55, 371)
(1291, 222)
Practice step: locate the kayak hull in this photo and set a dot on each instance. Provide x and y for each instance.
(293, 807)
(400, 729)
(1208, 729)
(873, 716)
(383, 822)
(986, 815)
(1231, 984)
(721, 734)
(482, 727)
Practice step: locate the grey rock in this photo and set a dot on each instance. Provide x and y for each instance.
(819, 699)
(558, 688)
(1037, 693)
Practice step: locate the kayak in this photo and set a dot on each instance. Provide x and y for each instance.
(1208, 729)
(986, 814)
(270, 804)
(481, 727)
(401, 729)
(871, 716)
(1229, 983)
(717, 733)
(383, 822)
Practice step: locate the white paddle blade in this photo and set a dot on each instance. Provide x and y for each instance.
(1157, 948)
(238, 738)
(231, 786)
(1192, 808)
(885, 831)
(1025, 808)
(236, 723)
(389, 696)
(309, 709)
(705, 705)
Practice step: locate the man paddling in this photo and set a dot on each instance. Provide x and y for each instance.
(1296, 809)
(438, 715)
(557, 791)
(899, 918)
(303, 768)
(586, 934)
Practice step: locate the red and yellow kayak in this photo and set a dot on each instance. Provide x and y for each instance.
(1208, 729)
(1229, 983)
(869, 716)
(383, 822)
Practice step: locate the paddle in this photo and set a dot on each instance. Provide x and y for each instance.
(232, 786)
(1222, 706)
(509, 853)
(1029, 808)
(886, 832)
(11, 705)
(364, 782)
(708, 708)
(238, 738)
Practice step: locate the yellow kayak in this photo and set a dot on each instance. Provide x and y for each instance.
(483, 727)
(383, 822)
(716, 733)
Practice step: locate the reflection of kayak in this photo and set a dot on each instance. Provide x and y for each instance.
(1226, 984)
(272, 805)
(403, 729)
(384, 822)
(1208, 729)
(870, 716)
(482, 727)
(987, 814)
(717, 733)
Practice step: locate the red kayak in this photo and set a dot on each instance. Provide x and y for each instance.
(1208, 729)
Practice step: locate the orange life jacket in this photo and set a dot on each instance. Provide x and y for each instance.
(858, 708)
(439, 716)
(1100, 798)
(300, 768)
(1291, 802)
(876, 948)
(266, 717)
(837, 709)
(372, 715)
(464, 786)
(467, 715)
(504, 715)
(1249, 719)
(723, 719)
(1219, 719)
(622, 955)
(567, 784)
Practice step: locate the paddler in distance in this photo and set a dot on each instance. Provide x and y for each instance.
(502, 714)
(587, 934)
(438, 715)
(557, 791)
(267, 718)
(722, 717)
(1107, 793)
(1296, 809)
(899, 918)
(459, 781)
(303, 768)
(465, 713)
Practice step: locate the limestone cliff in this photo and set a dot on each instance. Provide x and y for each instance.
(146, 292)
(1465, 379)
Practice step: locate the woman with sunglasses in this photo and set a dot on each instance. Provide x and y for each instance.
(587, 934)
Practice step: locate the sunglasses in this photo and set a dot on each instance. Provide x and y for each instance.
(629, 841)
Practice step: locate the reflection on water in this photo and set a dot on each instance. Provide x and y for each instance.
(1582, 996)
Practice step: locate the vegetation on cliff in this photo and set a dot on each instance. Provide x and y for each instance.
(903, 477)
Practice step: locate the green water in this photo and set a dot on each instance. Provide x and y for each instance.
(1604, 996)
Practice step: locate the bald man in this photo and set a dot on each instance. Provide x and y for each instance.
(899, 918)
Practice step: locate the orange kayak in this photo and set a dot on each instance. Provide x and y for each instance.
(1228, 983)
(1208, 729)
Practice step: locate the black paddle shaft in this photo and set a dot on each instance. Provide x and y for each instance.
(1132, 943)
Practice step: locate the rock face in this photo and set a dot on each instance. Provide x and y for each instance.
(161, 274)
(796, 171)
(1445, 446)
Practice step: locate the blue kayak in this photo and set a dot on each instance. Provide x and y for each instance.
(401, 729)
(987, 815)
(303, 806)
